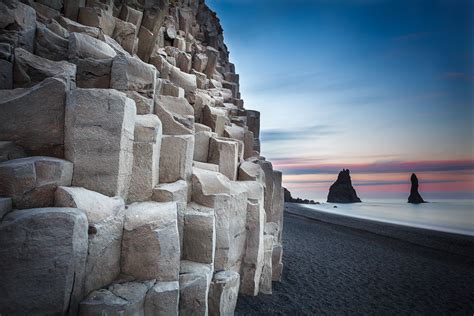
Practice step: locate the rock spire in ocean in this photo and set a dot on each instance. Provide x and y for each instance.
(342, 191)
(415, 196)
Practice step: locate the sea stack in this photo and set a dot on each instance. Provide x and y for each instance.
(415, 197)
(342, 191)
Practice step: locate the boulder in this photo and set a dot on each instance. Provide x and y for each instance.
(17, 24)
(34, 117)
(57, 29)
(342, 191)
(163, 299)
(125, 34)
(31, 182)
(93, 73)
(176, 115)
(144, 104)
(223, 293)
(150, 245)
(267, 272)
(200, 62)
(130, 73)
(215, 118)
(184, 80)
(10, 151)
(99, 139)
(171, 192)
(6, 206)
(194, 282)
(131, 15)
(105, 217)
(82, 45)
(201, 146)
(176, 158)
(50, 45)
(250, 171)
(30, 70)
(224, 152)
(199, 235)
(97, 17)
(119, 299)
(146, 157)
(415, 197)
(171, 89)
(73, 26)
(53, 244)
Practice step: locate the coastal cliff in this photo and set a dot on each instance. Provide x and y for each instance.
(131, 174)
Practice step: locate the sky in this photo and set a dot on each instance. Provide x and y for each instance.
(382, 87)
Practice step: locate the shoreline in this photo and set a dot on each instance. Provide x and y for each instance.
(453, 243)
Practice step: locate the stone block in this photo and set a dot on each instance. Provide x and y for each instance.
(215, 118)
(97, 17)
(6, 74)
(130, 73)
(223, 293)
(206, 166)
(150, 245)
(171, 192)
(194, 282)
(99, 139)
(34, 117)
(17, 24)
(199, 235)
(267, 272)
(277, 265)
(224, 152)
(176, 115)
(31, 182)
(163, 299)
(82, 45)
(73, 26)
(184, 80)
(201, 146)
(250, 171)
(176, 158)
(125, 34)
(146, 157)
(105, 217)
(10, 151)
(50, 266)
(144, 104)
(50, 45)
(93, 73)
(6, 206)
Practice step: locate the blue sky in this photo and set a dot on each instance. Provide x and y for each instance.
(356, 82)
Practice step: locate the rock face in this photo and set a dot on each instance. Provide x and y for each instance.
(415, 197)
(291, 199)
(342, 191)
(131, 181)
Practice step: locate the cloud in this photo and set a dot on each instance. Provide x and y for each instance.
(309, 132)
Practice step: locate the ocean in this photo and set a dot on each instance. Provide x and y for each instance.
(453, 216)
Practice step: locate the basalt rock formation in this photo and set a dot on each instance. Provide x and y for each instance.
(290, 199)
(415, 197)
(131, 180)
(342, 191)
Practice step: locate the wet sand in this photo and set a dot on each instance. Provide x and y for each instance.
(339, 265)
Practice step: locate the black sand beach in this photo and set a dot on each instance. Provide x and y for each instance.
(333, 265)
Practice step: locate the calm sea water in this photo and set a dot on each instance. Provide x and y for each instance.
(443, 215)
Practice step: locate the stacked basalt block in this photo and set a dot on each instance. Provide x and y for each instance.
(131, 181)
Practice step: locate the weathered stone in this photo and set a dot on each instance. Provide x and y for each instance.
(184, 80)
(144, 104)
(130, 73)
(201, 79)
(194, 282)
(10, 151)
(201, 146)
(268, 170)
(50, 45)
(113, 43)
(212, 57)
(125, 34)
(58, 29)
(17, 24)
(97, 17)
(249, 171)
(30, 70)
(53, 244)
(176, 114)
(105, 217)
(170, 89)
(199, 239)
(82, 45)
(93, 73)
(201, 128)
(6, 74)
(73, 26)
(180, 43)
(267, 272)
(163, 299)
(150, 245)
(5, 206)
(145, 38)
(206, 166)
(277, 265)
(176, 158)
(223, 293)
(146, 157)
(253, 122)
(31, 182)
(44, 12)
(120, 299)
(200, 62)
(171, 192)
(71, 8)
(342, 190)
(34, 117)
(131, 15)
(214, 118)
(202, 99)
(99, 139)
(276, 213)
(224, 152)
(254, 253)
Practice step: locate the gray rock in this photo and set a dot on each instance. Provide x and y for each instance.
(17, 24)
(194, 282)
(6, 74)
(171, 192)
(125, 34)
(105, 217)
(99, 139)
(73, 26)
(267, 272)
(223, 293)
(31, 182)
(50, 45)
(53, 243)
(176, 115)
(130, 73)
(10, 151)
(93, 73)
(144, 104)
(163, 299)
(176, 158)
(224, 152)
(199, 235)
(5, 206)
(82, 45)
(98, 18)
(34, 117)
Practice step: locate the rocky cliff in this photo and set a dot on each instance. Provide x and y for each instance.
(415, 196)
(131, 180)
(342, 190)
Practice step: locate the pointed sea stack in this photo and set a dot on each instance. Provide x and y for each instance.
(342, 191)
(415, 197)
